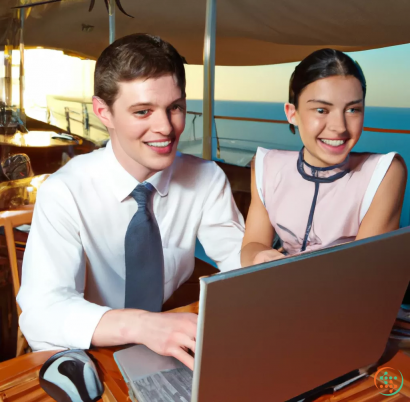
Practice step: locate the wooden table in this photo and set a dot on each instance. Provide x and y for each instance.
(19, 378)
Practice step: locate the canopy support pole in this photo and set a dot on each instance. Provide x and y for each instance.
(7, 75)
(22, 78)
(209, 78)
(111, 13)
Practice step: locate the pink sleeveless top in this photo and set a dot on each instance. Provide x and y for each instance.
(340, 205)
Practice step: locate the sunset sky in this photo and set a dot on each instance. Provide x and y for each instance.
(387, 72)
(50, 72)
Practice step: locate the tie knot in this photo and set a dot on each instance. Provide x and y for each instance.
(143, 194)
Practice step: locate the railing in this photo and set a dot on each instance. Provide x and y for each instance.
(371, 129)
(237, 138)
(235, 142)
(74, 116)
(85, 120)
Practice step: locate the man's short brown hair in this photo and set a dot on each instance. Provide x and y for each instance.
(136, 56)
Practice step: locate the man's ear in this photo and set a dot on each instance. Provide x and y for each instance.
(290, 112)
(102, 111)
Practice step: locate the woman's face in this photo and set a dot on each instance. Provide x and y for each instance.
(330, 118)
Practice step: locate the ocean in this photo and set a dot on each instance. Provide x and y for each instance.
(238, 140)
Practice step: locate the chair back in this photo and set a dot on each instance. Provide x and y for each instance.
(9, 220)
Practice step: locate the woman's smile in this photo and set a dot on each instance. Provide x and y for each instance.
(333, 146)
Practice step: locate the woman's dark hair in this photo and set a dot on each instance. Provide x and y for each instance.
(321, 64)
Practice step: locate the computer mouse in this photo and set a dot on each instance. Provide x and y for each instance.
(71, 376)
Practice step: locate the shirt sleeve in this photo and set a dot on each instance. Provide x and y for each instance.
(54, 311)
(221, 228)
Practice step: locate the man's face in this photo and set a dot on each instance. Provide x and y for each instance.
(145, 124)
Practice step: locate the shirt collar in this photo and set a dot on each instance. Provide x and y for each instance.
(122, 183)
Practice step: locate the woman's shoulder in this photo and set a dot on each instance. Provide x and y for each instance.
(273, 160)
(388, 179)
(274, 151)
(396, 167)
(268, 162)
(276, 155)
(370, 161)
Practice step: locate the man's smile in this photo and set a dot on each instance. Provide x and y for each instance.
(161, 146)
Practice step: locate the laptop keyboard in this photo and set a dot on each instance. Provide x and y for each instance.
(166, 386)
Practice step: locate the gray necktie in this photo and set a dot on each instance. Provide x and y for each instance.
(144, 258)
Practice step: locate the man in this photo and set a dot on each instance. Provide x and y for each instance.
(110, 211)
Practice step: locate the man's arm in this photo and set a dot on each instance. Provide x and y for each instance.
(55, 313)
(222, 226)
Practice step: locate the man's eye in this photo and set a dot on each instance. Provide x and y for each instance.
(142, 112)
(176, 107)
(320, 110)
(353, 110)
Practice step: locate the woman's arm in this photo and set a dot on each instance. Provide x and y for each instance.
(259, 233)
(384, 213)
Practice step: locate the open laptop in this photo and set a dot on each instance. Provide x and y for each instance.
(274, 331)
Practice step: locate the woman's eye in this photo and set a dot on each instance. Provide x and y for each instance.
(320, 110)
(353, 110)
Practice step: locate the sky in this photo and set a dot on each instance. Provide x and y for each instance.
(50, 72)
(387, 73)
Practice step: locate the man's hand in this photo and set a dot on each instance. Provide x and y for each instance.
(266, 256)
(170, 334)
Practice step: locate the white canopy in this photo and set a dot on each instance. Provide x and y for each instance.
(249, 32)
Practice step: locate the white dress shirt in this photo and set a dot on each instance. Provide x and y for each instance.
(80, 219)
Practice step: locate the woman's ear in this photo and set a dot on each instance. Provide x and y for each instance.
(290, 111)
(102, 111)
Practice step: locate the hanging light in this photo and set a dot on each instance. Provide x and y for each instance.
(92, 3)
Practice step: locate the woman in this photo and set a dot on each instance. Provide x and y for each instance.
(324, 194)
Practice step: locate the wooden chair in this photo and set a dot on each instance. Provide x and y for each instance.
(9, 220)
